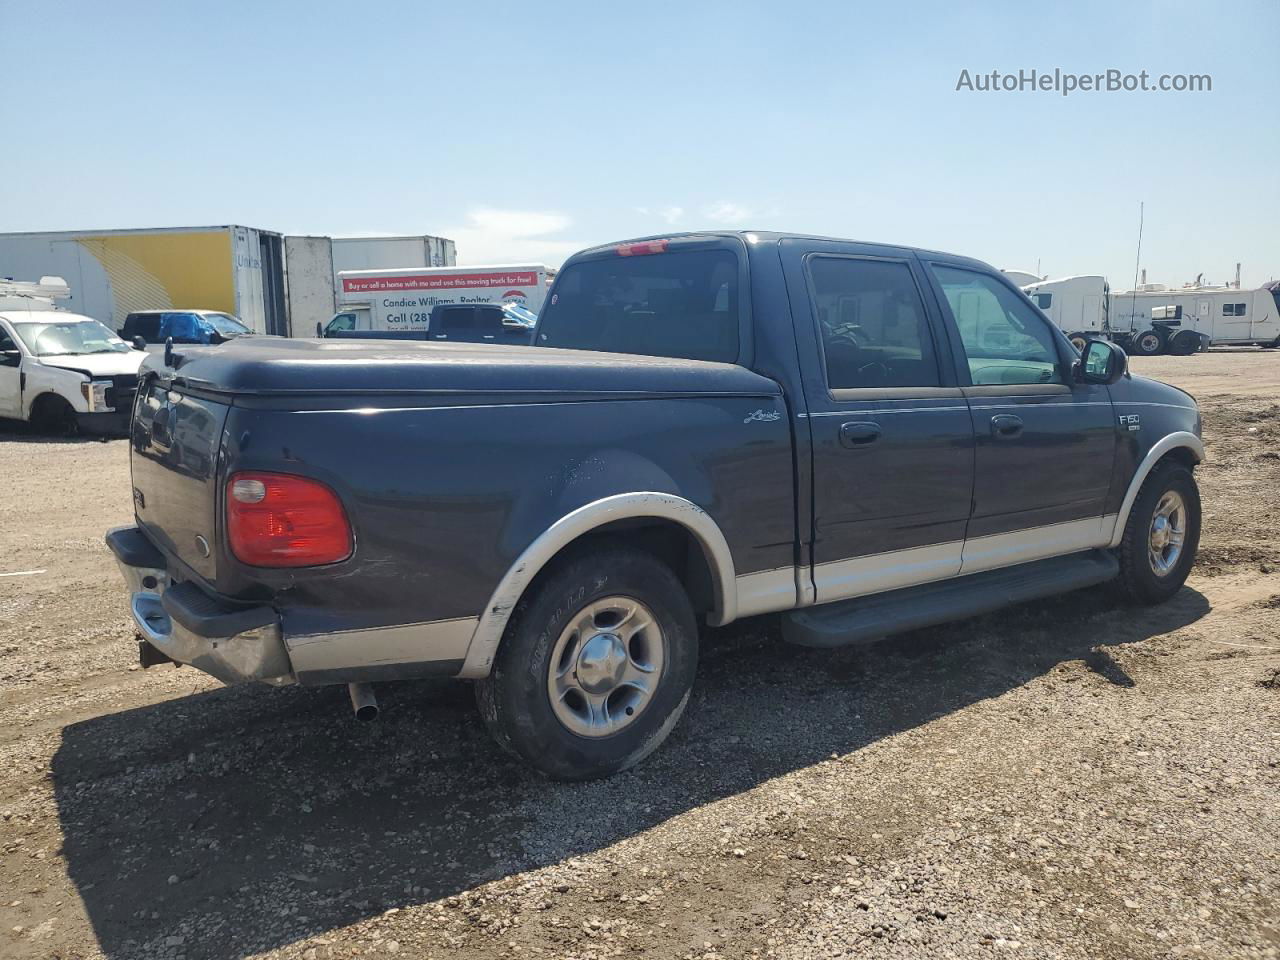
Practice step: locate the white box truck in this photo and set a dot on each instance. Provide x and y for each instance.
(313, 265)
(402, 299)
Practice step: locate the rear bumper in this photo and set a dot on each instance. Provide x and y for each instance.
(233, 642)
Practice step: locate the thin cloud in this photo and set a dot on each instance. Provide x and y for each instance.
(670, 214)
(493, 235)
(728, 213)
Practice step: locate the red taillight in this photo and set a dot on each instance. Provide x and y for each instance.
(642, 249)
(279, 520)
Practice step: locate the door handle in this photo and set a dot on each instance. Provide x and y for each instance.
(858, 434)
(1006, 425)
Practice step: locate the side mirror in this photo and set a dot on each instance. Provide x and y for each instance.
(1101, 361)
(139, 343)
(10, 358)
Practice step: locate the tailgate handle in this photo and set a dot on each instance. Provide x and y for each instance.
(858, 434)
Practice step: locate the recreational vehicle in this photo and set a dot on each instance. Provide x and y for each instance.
(1153, 318)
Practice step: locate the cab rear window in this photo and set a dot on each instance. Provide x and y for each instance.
(680, 304)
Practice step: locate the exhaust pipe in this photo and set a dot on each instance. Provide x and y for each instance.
(363, 702)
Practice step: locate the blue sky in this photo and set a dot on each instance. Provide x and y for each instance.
(528, 130)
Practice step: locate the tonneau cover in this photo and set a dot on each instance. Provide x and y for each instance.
(275, 367)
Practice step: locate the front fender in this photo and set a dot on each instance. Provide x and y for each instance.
(1159, 450)
(42, 379)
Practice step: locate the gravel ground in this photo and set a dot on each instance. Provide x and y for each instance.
(1073, 778)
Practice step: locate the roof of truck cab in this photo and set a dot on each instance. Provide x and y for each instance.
(756, 237)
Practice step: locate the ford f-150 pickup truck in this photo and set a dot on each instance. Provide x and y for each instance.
(861, 438)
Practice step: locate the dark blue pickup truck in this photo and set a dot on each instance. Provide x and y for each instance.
(862, 438)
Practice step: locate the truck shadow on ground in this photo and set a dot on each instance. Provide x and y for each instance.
(240, 820)
(15, 431)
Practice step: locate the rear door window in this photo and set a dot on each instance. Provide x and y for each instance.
(875, 332)
(678, 304)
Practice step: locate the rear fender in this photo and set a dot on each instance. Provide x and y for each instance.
(623, 506)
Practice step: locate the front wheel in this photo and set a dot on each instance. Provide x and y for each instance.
(595, 667)
(1161, 535)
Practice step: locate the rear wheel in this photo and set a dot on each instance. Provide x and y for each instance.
(595, 667)
(1078, 340)
(1161, 535)
(1148, 343)
(52, 414)
(1184, 344)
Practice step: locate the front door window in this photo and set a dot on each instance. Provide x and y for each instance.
(1005, 341)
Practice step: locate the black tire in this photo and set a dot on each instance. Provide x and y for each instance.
(1148, 343)
(515, 699)
(1138, 578)
(50, 413)
(1078, 340)
(1184, 344)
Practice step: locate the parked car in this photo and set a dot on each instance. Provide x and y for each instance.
(184, 326)
(709, 427)
(456, 322)
(64, 372)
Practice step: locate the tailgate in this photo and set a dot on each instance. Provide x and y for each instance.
(174, 460)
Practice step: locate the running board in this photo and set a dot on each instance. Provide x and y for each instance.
(865, 619)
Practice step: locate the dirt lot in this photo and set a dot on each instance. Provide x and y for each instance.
(1077, 778)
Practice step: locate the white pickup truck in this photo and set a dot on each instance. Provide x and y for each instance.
(61, 371)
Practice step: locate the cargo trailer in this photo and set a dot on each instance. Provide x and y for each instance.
(313, 265)
(111, 273)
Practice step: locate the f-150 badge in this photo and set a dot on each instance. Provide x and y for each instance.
(1130, 421)
(762, 415)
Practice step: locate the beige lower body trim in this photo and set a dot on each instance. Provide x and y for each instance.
(766, 591)
(858, 576)
(382, 646)
(1036, 543)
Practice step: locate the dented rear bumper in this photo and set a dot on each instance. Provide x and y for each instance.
(236, 643)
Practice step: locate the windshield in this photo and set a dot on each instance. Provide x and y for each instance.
(226, 325)
(514, 313)
(69, 338)
(678, 304)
